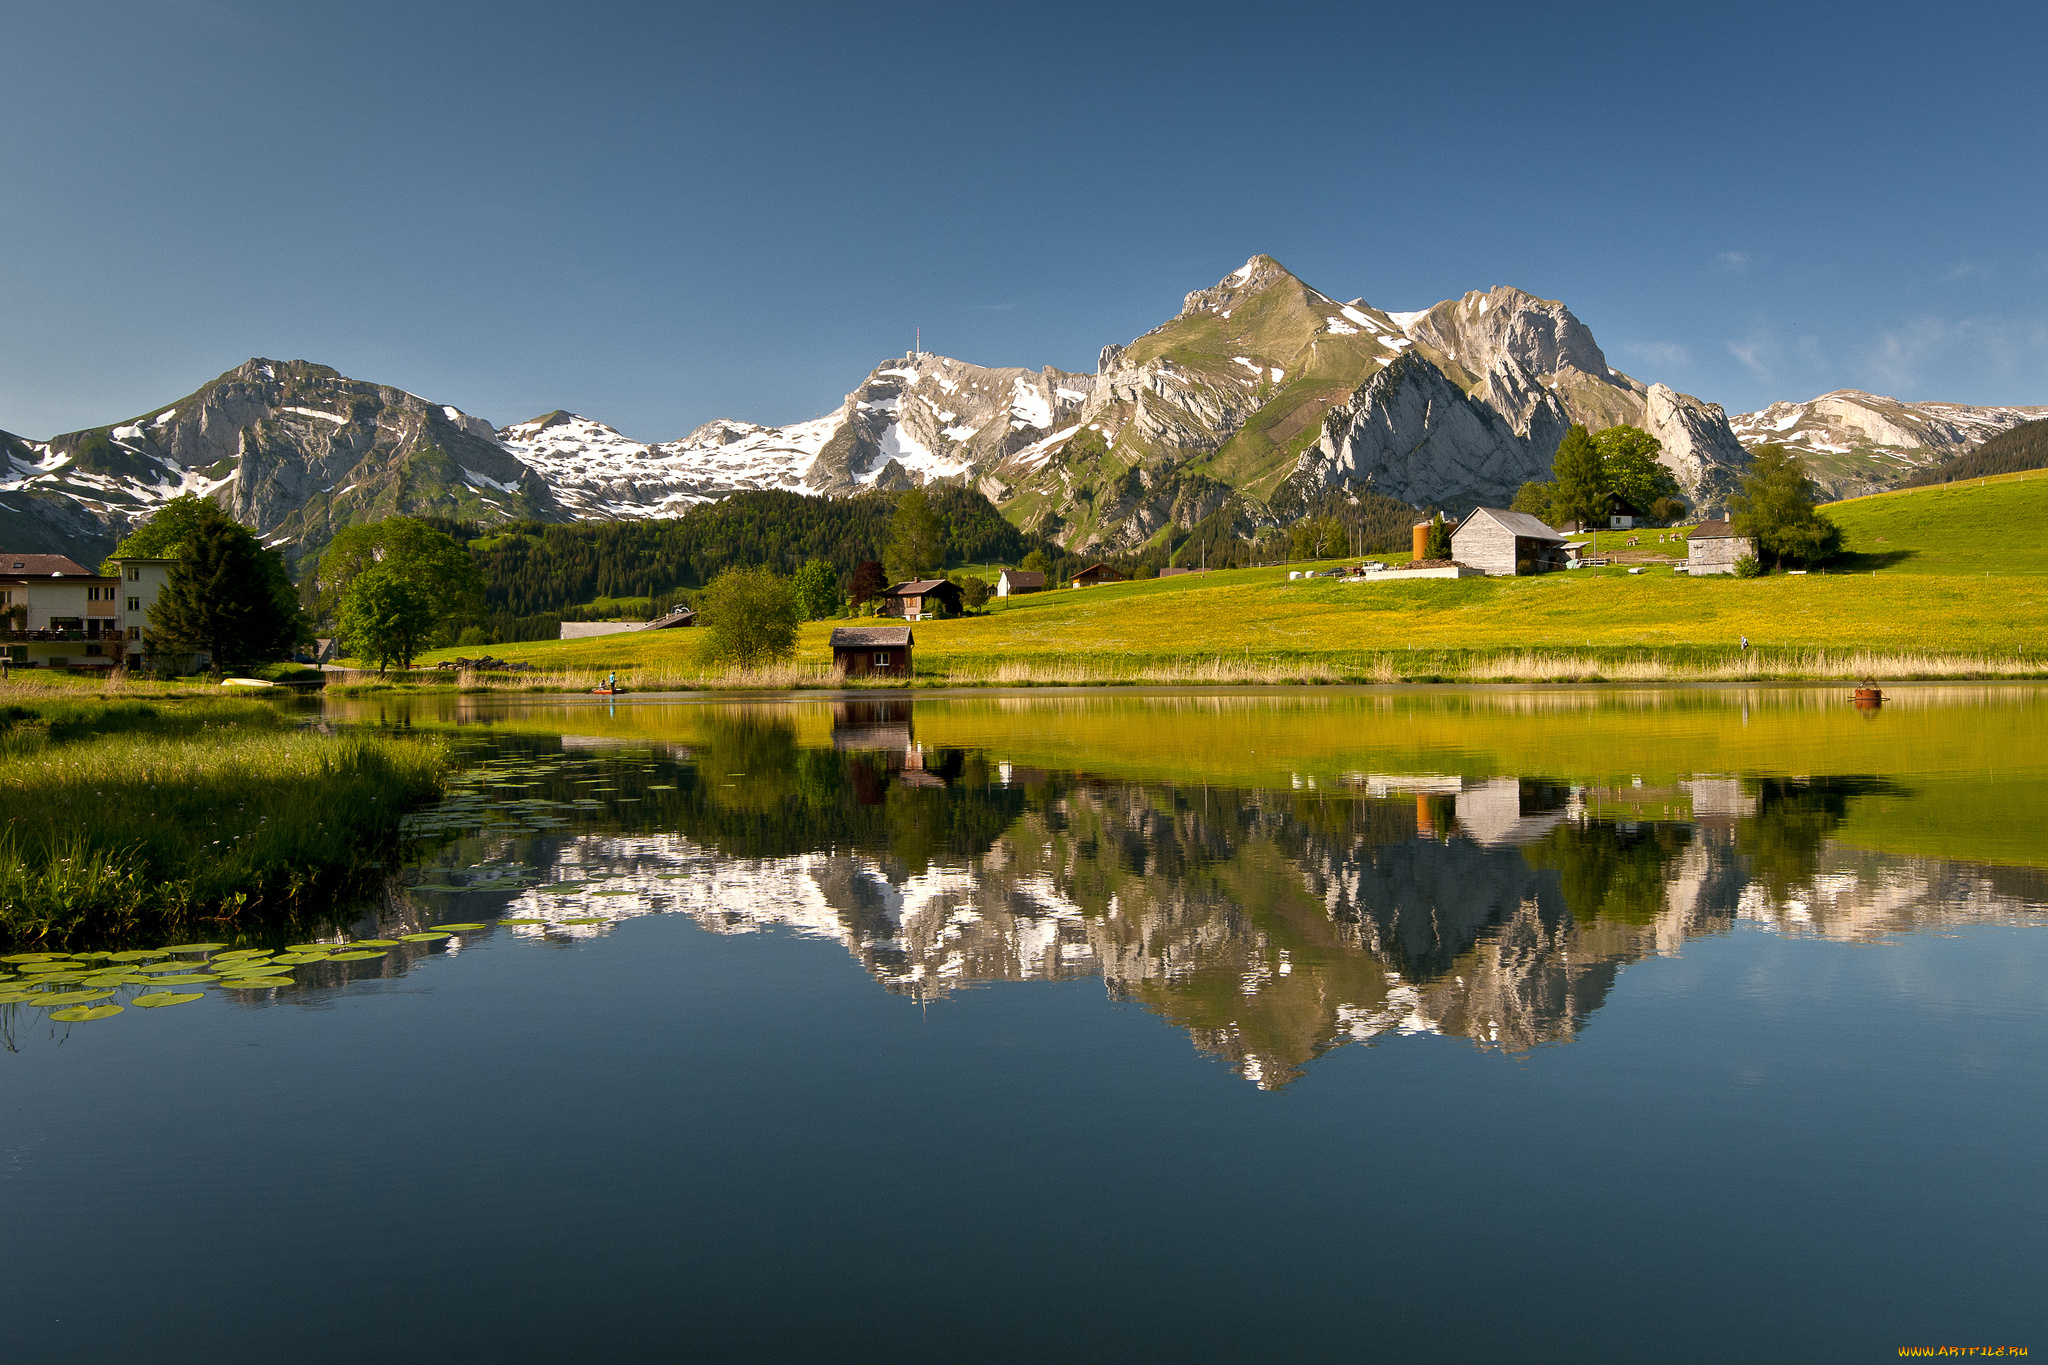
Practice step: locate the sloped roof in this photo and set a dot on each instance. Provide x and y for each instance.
(1099, 568)
(917, 587)
(1516, 524)
(866, 637)
(681, 616)
(1717, 529)
(43, 566)
(1023, 578)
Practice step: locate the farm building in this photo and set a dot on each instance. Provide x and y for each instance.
(1010, 582)
(859, 651)
(1713, 547)
(922, 597)
(1096, 574)
(1503, 543)
(584, 630)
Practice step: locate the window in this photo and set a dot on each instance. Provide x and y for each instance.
(135, 604)
(135, 575)
(135, 632)
(881, 658)
(92, 649)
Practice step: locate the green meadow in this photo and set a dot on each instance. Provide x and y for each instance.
(167, 818)
(1936, 582)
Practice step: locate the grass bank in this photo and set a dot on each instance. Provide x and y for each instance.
(128, 817)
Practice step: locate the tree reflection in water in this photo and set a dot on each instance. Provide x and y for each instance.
(1271, 925)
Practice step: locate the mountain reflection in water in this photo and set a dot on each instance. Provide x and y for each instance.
(1270, 924)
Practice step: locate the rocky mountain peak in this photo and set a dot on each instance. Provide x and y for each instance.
(1254, 277)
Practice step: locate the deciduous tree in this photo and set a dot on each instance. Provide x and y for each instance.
(869, 582)
(1535, 498)
(750, 618)
(1776, 509)
(385, 617)
(428, 559)
(1628, 456)
(817, 589)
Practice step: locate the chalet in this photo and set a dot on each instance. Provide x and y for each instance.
(1714, 546)
(56, 613)
(1010, 582)
(921, 598)
(860, 651)
(1096, 574)
(1503, 543)
(1622, 515)
(679, 619)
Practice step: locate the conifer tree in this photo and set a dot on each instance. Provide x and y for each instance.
(1581, 481)
(224, 596)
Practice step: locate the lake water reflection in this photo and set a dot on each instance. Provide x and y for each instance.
(1440, 1024)
(1480, 866)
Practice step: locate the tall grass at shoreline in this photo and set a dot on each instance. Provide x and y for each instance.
(1100, 669)
(127, 817)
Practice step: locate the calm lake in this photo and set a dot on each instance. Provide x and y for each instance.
(1523, 1024)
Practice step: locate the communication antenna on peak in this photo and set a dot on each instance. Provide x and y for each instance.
(917, 346)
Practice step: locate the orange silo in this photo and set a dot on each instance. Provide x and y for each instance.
(1422, 540)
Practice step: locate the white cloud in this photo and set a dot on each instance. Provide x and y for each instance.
(1903, 355)
(1666, 353)
(1733, 262)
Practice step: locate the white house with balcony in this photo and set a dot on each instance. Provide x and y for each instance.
(56, 613)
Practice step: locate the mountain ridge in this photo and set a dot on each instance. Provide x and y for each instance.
(1262, 395)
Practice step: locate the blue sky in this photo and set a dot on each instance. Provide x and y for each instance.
(659, 214)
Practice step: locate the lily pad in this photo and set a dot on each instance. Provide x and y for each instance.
(356, 957)
(193, 979)
(374, 943)
(38, 968)
(152, 967)
(461, 928)
(158, 999)
(522, 921)
(617, 891)
(80, 1014)
(268, 969)
(196, 948)
(32, 957)
(423, 938)
(254, 983)
(137, 956)
(585, 919)
(60, 999)
(309, 947)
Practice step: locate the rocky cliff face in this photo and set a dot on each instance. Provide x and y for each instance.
(1854, 443)
(1410, 433)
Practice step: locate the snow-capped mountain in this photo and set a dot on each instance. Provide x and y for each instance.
(597, 473)
(1262, 393)
(1854, 442)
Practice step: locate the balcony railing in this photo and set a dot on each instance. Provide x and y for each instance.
(23, 637)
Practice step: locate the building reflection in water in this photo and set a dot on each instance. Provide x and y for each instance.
(1271, 925)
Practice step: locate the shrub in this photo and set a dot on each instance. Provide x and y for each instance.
(1748, 567)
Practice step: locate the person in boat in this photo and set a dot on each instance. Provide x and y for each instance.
(611, 684)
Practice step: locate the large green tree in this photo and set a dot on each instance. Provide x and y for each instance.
(430, 560)
(223, 597)
(1535, 498)
(1776, 509)
(1580, 491)
(1628, 457)
(749, 617)
(181, 521)
(917, 538)
(385, 617)
(817, 589)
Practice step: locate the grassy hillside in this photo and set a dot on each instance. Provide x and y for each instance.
(1987, 526)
